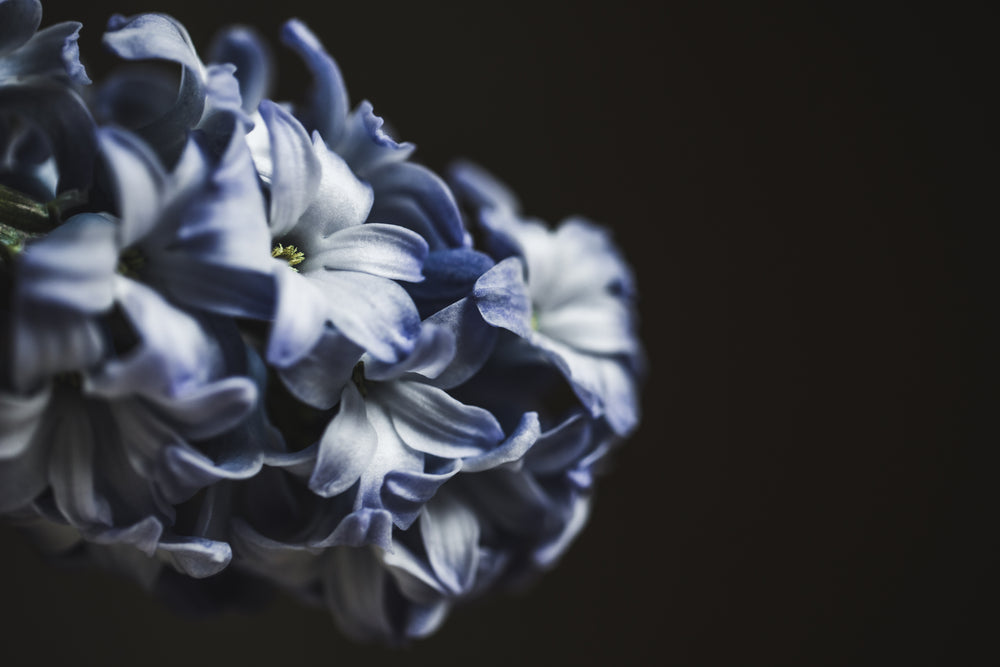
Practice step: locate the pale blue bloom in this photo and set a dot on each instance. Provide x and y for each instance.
(582, 315)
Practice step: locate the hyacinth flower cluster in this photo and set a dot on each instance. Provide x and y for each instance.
(250, 345)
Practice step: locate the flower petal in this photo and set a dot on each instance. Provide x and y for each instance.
(511, 451)
(139, 181)
(365, 146)
(502, 297)
(388, 251)
(318, 377)
(433, 214)
(72, 267)
(474, 341)
(347, 445)
(342, 200)
(327, 111)
(195, 556)
(243, 47)
(450, 532)
(598, 323)
(19, 19)
(432, 354)
(51, 53)
(295, 169)
(20, 417)
(65, 120)
(431, 421)
(373, 312)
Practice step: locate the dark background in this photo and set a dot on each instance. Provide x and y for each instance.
(799, 190)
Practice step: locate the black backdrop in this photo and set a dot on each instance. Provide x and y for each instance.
(798, 191)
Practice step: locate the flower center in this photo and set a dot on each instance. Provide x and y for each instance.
(289, 253)
(358, 378)
(130, 262)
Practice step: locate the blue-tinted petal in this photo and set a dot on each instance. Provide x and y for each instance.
(72, 267)
(299, 319)
(327, 110)
(71, 468)
(173, 354)
(405, 493)
(474, 341)
(449, 275)
(341, 201)
(290, 564)
(450, 532)
(431, 421)
(361, 528)
(380, 250)
(243, 47)
(509, 452)
(139, 181)
(48, 341)
(195, 556)
(559, 448)
(295, 170)
(24, 475)
(365, 146)
(156, 36)
(318, 377)
(19, 420)
(598, 323)
(51, 53)
(347, 445)
(435, 213)
(432, 354)
(64, 119)
(481, 188)
(19, 19)
(210, 410)
(374, 312)
(354, 586)
(502, 297)
(144, 535)
(605, 385)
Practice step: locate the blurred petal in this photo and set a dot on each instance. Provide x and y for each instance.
(318, 377)
(433, 352)
(19, 419)
(139, 182)
(480, 187)
(19, 19)
(430, 208)
(474, 341)
(243, 47)
(327, 109)
(72, 267)
(52, 53)
(195, 556)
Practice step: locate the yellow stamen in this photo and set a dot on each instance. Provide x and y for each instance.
(289, 253)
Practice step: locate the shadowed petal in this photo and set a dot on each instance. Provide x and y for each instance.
(19, 419)
(243, 47)
(327, 111)
(195, 556)
(434, 213)
(19, 19)
(139, 180)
